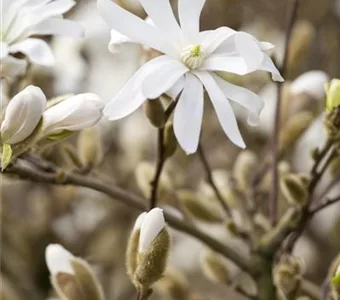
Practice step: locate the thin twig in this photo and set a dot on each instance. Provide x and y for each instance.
(323, 205)
(26, 171)
(275, 142)
(211, 181)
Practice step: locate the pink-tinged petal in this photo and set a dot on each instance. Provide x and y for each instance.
(38, 51)
(160, 12)
(189, 12)
(223, 109)
(133, 27)
(176, 89)
(130, 97)
(188, 114)
(158, 83)
(244, 97)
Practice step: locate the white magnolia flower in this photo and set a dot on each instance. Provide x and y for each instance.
(150, 225)
(25, 18)
(22, 115)
(58, 259)
(74, 113)
(187, 67)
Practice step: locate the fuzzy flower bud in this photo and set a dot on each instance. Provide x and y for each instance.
(294, 188)
(22, 115)
(71, 277)
(154, 111)
(333, 94)
(214, 267)
(148, 250)
(72, 114)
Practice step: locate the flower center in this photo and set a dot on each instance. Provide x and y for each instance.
(192, 56)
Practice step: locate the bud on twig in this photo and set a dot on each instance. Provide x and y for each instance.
(214, 267)
(170, 141)
(332, 120)
(333, 94)
(295, 189)
(335, 282)
(71, 277)
(154, 111)
(244, 166)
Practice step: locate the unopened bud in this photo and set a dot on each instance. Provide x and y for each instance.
(333, 94)
(214, 267)
(262, 222)
(170, 141)
(232, 228)
(244, 166)
(70, 156)
(335, 281)
(295, 189)
(154, 111)
(332, 123)
(89, 147)
(202, 210)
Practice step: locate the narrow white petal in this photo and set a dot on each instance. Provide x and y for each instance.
(189, 12)
(213, 39)
(188, 114)
(244, 97)
(3, 50)
(268, 65)
(265, 46)
(152, 225)
(176, 89)
(38, 51)
(57, 26)
(130, 97)
(157, 83)
(58, 259)
(231, 64)
(161, 14)
(223, 109)
(133, 27)
(139, 221)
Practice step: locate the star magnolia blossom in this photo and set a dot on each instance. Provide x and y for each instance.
(25, 18)
(187, 67)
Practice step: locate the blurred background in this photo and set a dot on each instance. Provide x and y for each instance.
(96, 227)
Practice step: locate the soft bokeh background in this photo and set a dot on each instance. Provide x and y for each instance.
(96, 227)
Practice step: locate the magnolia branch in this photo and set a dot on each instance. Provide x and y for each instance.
(26, 171)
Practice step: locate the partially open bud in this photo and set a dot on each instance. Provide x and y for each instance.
(22, 115)
(72, 114)
(89, 147)
(198, 208)
(294, 188)
(154, 111)
(333, 94)
(71, 277)
(214, 267)
(170, 141)
(148, 250)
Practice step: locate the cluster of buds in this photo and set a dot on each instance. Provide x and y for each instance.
(332, 121)
(71, 277)
(147, 251)
(27, 121)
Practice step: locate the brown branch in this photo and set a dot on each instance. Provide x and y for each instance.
(60, 177)
(211, 181)
(276, 135)
(323, 205)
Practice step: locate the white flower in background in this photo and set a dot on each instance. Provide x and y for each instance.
(74, 113)
(188, 64)
(150, 225)
(22, 115)
(22, 19)
(58, 259)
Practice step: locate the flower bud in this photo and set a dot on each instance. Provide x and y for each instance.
(154, 111)
(332, 123)
(295, 189)
(22, 115)
(335, 281)
(89, 147)
(244, 166)
(333, 94)
(214, 267)
(148, 250)
(73, 114)
(170, 141)
(72, 277)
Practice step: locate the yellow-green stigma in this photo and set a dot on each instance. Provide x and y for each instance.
(192, 56)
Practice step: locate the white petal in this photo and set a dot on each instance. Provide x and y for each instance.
(189, 15)
(223, 109)
(213, 39)
(3, 50)
(246, 98)
(118, 39)
(58, 259)
(130, 97)
(133, 27)
(157, 83)
(265, 46)
(161, 14)
(38, 51)
(176, 89)
(188, 114)
(153, 224)
(231, 64)
(268, 65)
(57, 26)
(139, 221)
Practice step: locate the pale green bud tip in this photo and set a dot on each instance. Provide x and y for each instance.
(333, 94)
(6, 156)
